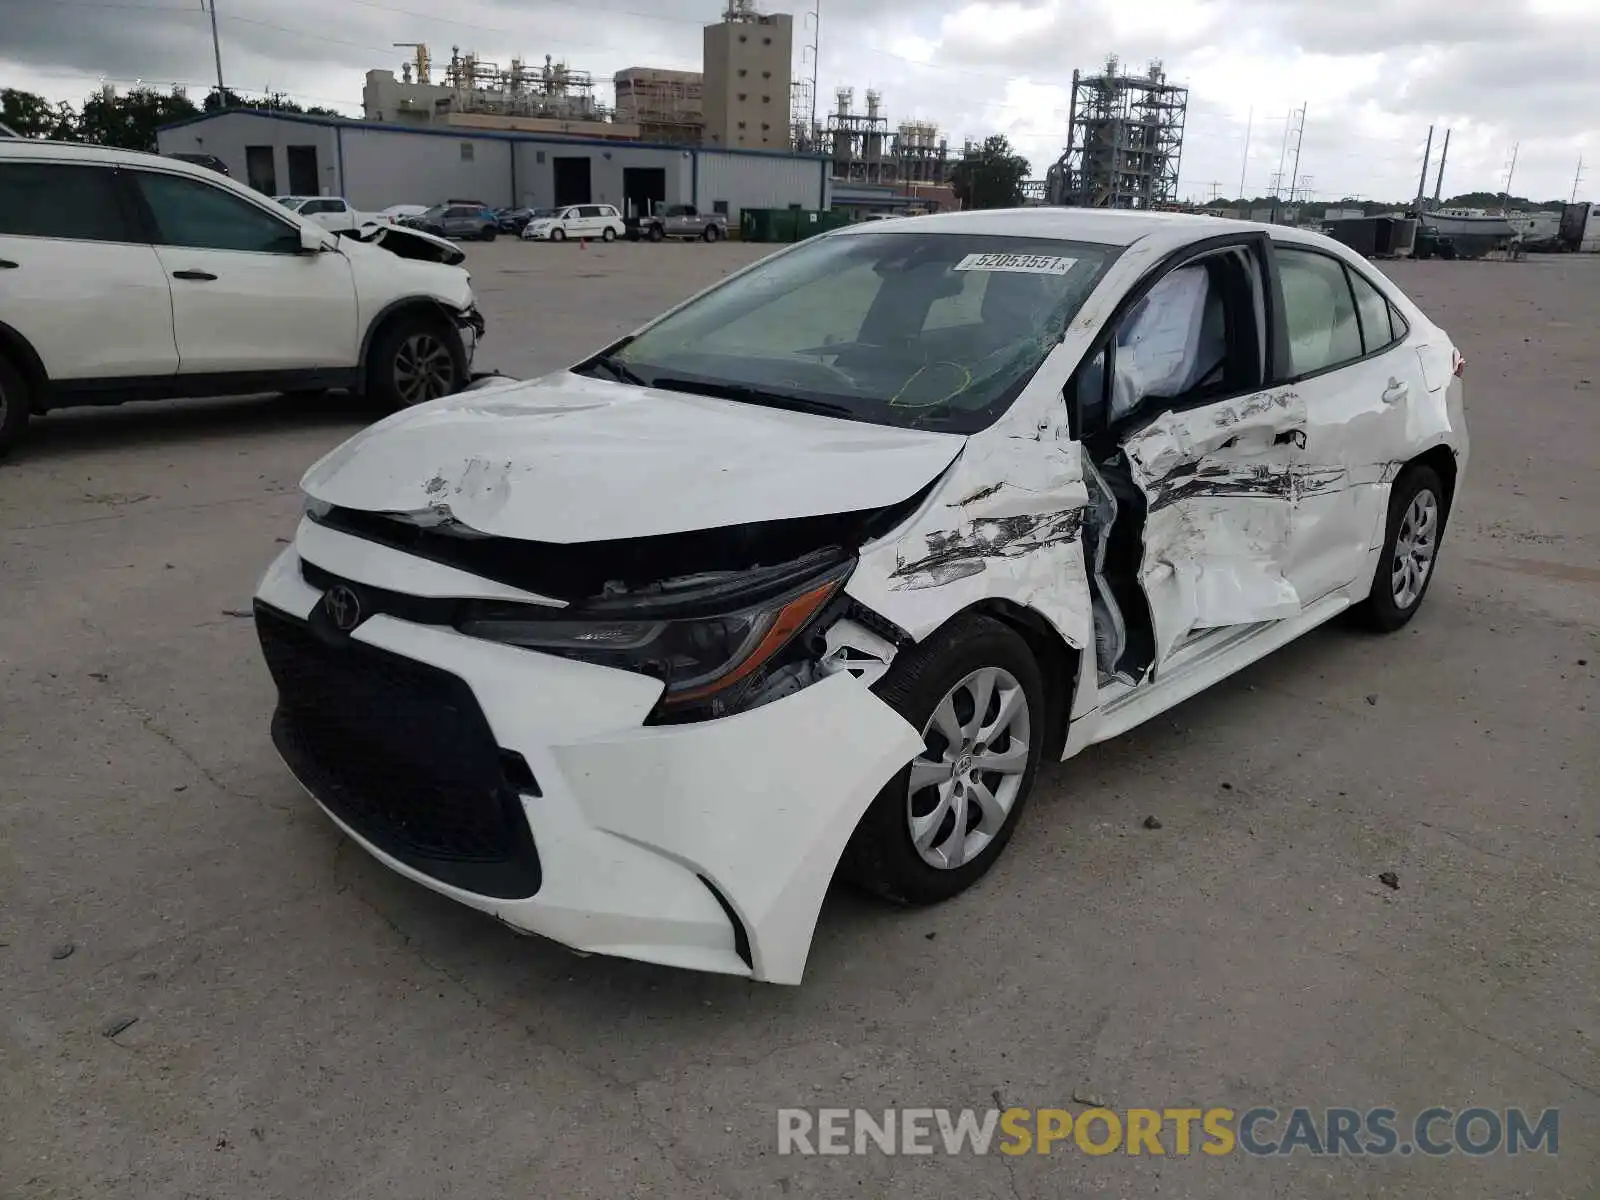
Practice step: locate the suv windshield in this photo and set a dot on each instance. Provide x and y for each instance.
(915, 329)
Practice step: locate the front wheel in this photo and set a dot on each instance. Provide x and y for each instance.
(712, 233)
(558, 235)
(414, 360)
(489, 233)
(976, 693)
(657, 233)
(1410, 550)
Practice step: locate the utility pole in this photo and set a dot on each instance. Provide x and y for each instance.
(216, 49)
(1576, 180)
(1244, 167)
(1277, 178)
(1438, 183)
(1422, 180)
(1299, 141)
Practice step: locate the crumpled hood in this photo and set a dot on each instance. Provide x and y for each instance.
(571, 459)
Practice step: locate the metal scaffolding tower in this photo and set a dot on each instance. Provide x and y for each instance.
(1124, 141)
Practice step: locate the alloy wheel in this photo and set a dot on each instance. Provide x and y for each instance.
(1415, 544)
(424, 369)
(969, 775)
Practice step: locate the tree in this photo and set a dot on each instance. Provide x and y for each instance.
(33, 116)
(270, 102)
(130, 121)
(990, 175)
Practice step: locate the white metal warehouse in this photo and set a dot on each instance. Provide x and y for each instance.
(375, 165)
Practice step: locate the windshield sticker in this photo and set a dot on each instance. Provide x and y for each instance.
(1025, 264)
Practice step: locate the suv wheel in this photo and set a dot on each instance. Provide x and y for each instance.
(976, 692)
(416, 359)
(489, 233)
(15, 405)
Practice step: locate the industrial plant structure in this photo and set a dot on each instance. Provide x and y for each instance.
(864, 151)
(667, 106)
(1124, 141)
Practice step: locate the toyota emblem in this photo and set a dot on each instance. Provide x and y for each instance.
(343, 606)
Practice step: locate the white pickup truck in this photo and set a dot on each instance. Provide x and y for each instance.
(331, 212)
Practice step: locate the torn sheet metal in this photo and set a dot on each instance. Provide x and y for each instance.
(1221, 486)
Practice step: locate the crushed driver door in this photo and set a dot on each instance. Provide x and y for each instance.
(1192, 460)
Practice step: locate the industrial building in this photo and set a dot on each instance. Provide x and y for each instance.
(665, 106)
(748, 64)
(1124, 141)
(377, 164)
(479, 94)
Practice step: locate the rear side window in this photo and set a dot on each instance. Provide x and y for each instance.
(197, 215)
(55, 200)
(1381, 326)
(1319, 311)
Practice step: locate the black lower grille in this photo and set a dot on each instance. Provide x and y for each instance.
(401, 752)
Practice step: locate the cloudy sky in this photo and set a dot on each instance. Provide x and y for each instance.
(1372, 74)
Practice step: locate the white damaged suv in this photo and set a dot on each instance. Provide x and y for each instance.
(129, 276)
(812, 573)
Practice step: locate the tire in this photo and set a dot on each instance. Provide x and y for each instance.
(558, 235)
(882, 856)
(1396, 595)
(610, 235)
(489, 233)
(657, 233)
(16, 405)
(415, 338)
(712, 233)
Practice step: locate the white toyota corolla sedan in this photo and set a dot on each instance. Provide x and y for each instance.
(807, 577)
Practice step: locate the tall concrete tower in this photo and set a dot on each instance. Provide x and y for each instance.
(748, 73)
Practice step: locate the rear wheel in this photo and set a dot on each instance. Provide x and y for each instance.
(16, 404)
(657, 233)
(712, 233)
(610, 235)
(976, 693)
(489, 233)
(1410, 550)
(415, 359)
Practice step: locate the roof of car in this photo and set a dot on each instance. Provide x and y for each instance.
(38, 148)
(1107, 226)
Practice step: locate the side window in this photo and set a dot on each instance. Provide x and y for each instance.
(1376, 328)
(312, 207)
(190, 213)
(334, 206)
(592, 211)
(51, 200)
(1318, 310)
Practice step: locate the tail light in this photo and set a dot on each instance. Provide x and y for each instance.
(1458, 364)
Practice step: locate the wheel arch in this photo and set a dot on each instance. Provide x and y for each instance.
(397, 310)
(20, 352)
(1442, 459)
(1059, 661)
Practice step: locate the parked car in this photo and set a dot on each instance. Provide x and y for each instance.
(467, 221)
(397, 213)
(815, 571)
(209, 161)
(331, 212)
(130, 276)
(512, 220)
(678, 221)
(600, 221)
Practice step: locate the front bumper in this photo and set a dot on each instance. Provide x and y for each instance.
(708, 846)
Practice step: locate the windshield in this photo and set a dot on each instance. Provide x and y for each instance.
(291, 202)
(916, 329)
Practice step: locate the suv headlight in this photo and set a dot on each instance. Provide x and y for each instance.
(697, 657)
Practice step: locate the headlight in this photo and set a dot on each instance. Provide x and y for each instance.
(696, 657)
